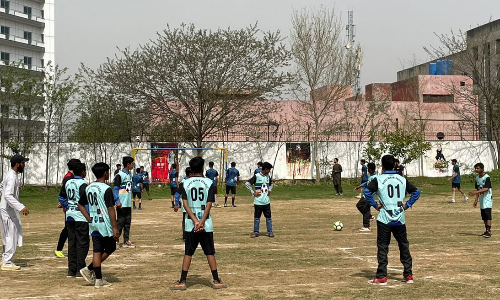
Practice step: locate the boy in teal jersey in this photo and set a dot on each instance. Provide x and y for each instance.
(178, 204)
(100, 202)
(261, 201)
(213, 174)
(78, 227)
(391, 190)
(173, 175)
(145, 181)
(137, 187)
(363, 206)
(197, 196)
(455, 182)
(122, 191)
(483, 194)
(232, 178)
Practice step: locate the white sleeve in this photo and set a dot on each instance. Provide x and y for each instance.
(9, 186)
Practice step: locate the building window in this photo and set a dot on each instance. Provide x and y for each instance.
(27, 61)
(5, 30)
(27, 112)
(438, 98)
(475, 52)
(42, 37)
(462, 83)
(5, 4)
(43, 14)
(27, 36)
(27, 11)
(5, 57)
(42, 63)
(5, 111)
(497, 46)
(5, 135)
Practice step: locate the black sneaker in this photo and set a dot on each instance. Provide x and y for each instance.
(484, 233)
(487, 234)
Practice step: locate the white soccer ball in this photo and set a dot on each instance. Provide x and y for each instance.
(338, 226)
(159, 186)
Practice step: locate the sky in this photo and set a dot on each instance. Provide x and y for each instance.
(392, 33)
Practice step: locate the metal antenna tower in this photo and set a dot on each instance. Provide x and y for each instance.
(353, 51)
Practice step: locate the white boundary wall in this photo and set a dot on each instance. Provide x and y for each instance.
(246, 155)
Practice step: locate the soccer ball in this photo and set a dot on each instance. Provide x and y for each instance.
(338, 225)
(159, 186)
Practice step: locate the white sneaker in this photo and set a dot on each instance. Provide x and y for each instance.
(102, 283)
(465, 199)
(365, 229)
(10, 267)
(451, 201)
(358, 196)
(88, 275)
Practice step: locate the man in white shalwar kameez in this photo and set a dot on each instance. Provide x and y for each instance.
(10, 207)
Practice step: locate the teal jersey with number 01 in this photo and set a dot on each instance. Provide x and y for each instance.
(391, 193)
(100, 223)
(73, 191)
(196, 192)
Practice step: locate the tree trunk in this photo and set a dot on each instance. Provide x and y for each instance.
(316, 160)
(47, 149)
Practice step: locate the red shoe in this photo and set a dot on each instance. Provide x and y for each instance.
(408, 279)
(378, 281)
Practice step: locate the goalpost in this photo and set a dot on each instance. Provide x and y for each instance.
(222, 158)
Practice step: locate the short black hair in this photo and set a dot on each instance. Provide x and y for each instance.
(233, 164)
(141, 167)
(479, 165)
(138, 170)
(174, 166)
(454, 160)
(211, 164)
(396, 160)
(127, 160)
(118, 165)
(196, 164)
(188, 171)
(99, 169)
(72, 163)
(363, 161)
(336, 159)
(266, 166)
(388, 162)
(79, 168)
(259, 164)
(371, 166)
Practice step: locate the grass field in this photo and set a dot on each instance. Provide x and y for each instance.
(306, 260)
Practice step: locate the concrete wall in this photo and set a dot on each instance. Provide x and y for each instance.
(246, 155)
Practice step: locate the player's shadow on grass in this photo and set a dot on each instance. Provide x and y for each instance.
(111, 277)
(370, 274)
(26, 263)
(468, 234)
(197, 279)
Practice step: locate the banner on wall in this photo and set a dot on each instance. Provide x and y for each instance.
(161, 161)
(298, 160)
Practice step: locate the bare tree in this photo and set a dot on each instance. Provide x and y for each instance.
(322, 62)
(472, 56)
(207, 81)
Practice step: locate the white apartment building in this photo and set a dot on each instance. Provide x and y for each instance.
(27, 36)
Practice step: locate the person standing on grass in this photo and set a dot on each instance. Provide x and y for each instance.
(261, 201)
(122, 191)
(100, 203)
(364, 175)
(10, 207)
(363, 206)
(63, 236)
(118, 169)
(336, 177)
(483, 194)
(259, 168)
(197, 195)
(213, 174)
(232, 178)
(77, 224)
(455, 182)
(399, 168)
(178, 203)
(391, 190)
(137, 188)
(173, 175)
(145, 181)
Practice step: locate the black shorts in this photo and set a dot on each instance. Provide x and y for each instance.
(230, 188)
(173, 190)
(215, 189)
(259, 209)
(455, 185)
(486, 214)
(138, 194)
(146, 186)
(106, 244)
(193, 239)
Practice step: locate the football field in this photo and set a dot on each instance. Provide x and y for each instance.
(306, 260)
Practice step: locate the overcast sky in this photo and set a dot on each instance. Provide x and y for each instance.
(391, 32)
